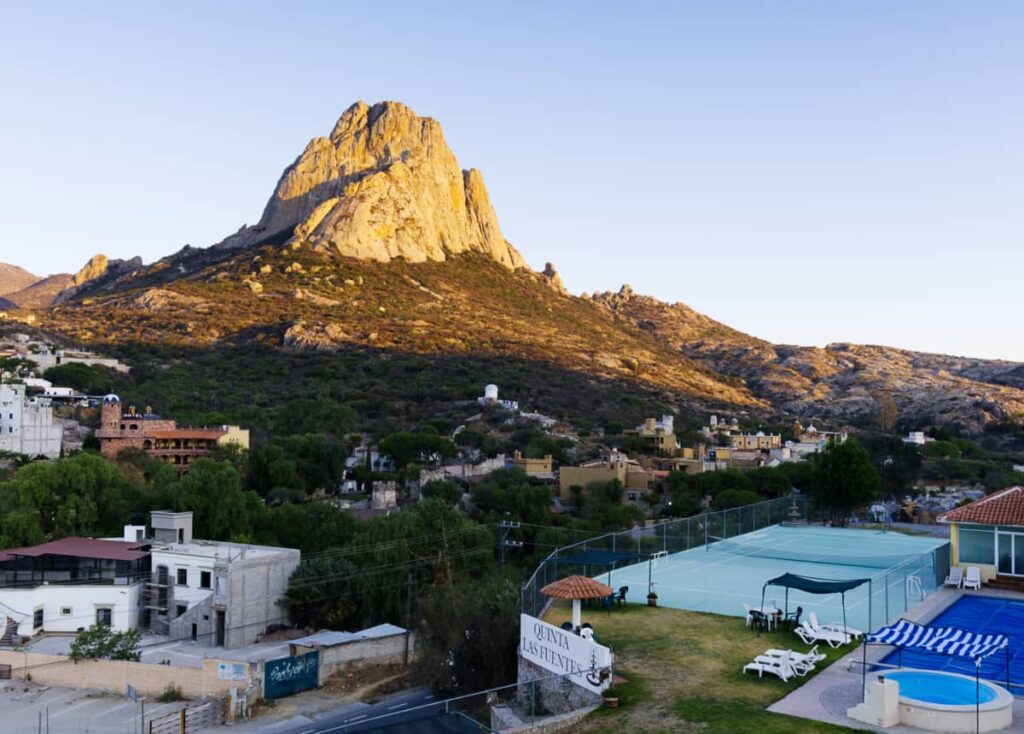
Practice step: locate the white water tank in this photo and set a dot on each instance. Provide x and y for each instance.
(491, 392)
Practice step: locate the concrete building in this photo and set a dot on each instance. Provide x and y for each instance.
(755, 441)
(540, 468)
(659, 435)
(70, 584)
(53, 357)
(27, 425)
(989, 533)
(159, 437)
(219, 593)
(916, 437)
(617, 467)
(490, 398)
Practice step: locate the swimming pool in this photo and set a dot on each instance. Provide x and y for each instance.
(986, 615)
(948, 690)
(722, 577)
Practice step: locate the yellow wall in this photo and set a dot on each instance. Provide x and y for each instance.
(988, 572)
(584, 475)
(235, 435)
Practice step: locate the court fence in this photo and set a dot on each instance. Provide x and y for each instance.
(639, 545)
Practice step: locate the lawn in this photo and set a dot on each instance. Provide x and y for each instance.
(684, 674)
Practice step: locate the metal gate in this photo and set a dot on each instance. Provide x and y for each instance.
(187, 720)
(290, 675)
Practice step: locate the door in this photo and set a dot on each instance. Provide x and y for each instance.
(1010, 553)
(220, 627)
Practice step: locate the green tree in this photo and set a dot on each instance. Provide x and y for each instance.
(443, 489)
(307, 416)
(510, 492)
(99, 642)
(213, 491)
(405, 447)
(323, 592)
(844, 479)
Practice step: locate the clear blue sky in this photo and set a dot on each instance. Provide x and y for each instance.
(805, 171)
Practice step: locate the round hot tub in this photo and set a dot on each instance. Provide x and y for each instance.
(951, 702)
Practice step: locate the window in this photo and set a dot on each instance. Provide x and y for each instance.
(977, 545)
(180, 609)
(104, 615)
(182, 577)
(65, 611)
(37, 618)
(204, 580)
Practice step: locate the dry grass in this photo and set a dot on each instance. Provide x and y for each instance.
(684, 673)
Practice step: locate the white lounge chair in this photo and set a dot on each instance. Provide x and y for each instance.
(812, 635)
(955, 577)
(973, 578)
(781, 666)
(801, 662)
(834, 626)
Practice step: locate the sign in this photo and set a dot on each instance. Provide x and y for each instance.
(562, 651)
(133, 694)
(286, 676)
(231, 671)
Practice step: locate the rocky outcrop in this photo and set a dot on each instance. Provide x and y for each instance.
(314, 337)
(99, 268)
(161, 299)
(550, 277)
(382, 185)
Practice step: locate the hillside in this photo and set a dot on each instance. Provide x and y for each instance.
(375, 241)
(841, 382)
(13, 278)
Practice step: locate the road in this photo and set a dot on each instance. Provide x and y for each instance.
(398, 708)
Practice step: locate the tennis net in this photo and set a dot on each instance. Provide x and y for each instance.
(791, 552)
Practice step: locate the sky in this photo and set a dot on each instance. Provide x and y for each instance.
(807, 172)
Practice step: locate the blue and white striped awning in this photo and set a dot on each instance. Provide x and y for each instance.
(945, 640)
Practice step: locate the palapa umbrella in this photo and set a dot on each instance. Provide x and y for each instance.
(576, 588)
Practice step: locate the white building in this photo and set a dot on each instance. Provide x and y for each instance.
(916, 437)
(27, 425)
(70, 584)
(46, 360)
(490, 397)
(216, 592)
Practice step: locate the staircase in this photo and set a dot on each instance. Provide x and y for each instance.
(10, 630)
(1008, 583)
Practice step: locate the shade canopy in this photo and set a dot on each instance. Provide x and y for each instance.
(577, 587)
(945, 640)
(815, 586)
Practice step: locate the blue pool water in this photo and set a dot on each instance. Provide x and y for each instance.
(987, 615)
(936, 688)
(722, 577)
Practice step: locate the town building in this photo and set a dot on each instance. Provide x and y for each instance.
(70, 584)
(755, 441)
(917, 438)
(659, 435)
(989, 533)
(636, 480)
(27, 424)
(48, 358)
(215, 592)
(540, 468)
(490, 398)
(158, 437)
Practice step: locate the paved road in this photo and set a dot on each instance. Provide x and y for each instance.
(400, 707)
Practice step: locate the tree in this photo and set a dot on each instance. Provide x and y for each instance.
(509, 492)
(443, 489)
(213, 491)
(405, 447)
(844, 479)
(323, 592)
(314, 416)
(99, 642)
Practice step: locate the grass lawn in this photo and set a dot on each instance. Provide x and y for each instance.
(684, 672)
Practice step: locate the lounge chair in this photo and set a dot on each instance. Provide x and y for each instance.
(802, 662)
(955, 577)
(781, 666)
(812, 635)
(973, 578)
(834, 626)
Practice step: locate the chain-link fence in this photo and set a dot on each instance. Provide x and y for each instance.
(638, 545)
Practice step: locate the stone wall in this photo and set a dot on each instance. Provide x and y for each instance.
(374, 651)
(552, 695)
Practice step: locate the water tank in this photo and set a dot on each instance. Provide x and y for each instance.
(491, 392)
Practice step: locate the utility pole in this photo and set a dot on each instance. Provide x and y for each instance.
(507, 526)
(408, 613)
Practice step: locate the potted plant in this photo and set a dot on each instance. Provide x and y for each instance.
(652, 597)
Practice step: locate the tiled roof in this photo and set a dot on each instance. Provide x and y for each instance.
(577, 587)
(109, 550)
(1001, 508)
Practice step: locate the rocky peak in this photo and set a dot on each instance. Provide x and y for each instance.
(93, 269)
(552, 279)
(99, 266)
(382, 185)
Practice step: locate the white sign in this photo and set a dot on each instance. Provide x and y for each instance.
(562, 651)
(231, 671)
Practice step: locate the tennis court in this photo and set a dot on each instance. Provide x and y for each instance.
(723, 575)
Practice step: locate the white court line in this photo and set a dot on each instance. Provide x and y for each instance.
(397, 706)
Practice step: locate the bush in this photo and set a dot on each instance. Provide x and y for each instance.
(170, 694)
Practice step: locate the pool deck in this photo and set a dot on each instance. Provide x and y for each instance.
(828, 695)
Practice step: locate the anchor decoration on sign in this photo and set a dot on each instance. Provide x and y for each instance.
(596, 677)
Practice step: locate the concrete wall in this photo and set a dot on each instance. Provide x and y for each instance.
(377, 651)
(115, 675)
(254, 586)
(82, 601)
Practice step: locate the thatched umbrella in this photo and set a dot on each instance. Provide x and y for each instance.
(577, 588)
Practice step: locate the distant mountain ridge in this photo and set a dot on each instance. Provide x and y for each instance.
(374, 237)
